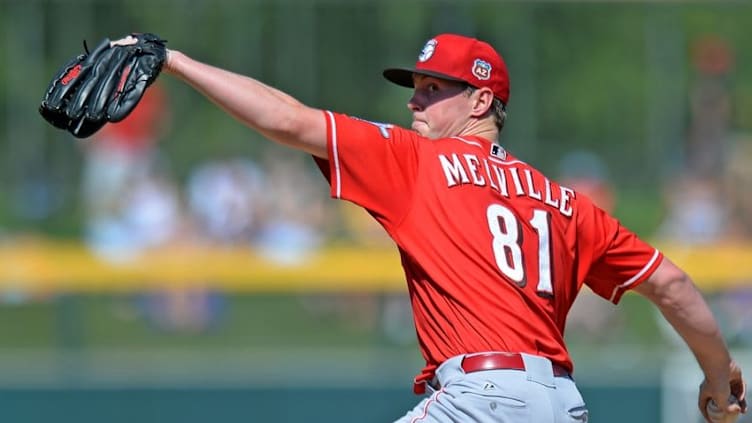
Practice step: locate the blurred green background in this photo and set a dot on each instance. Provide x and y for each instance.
(179, 268)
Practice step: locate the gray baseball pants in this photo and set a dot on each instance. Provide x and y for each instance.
(533, 395)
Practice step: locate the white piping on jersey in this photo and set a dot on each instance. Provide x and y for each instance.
(337, 180)
(507, 162)
(477, 144)
(635, 277)
(495, 159)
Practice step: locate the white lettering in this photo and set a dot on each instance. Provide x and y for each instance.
(553, 202)
(490, 176)
(566, 195)
(516, 180)
(472, 164)
(530, 187)
(502, 180)
(481, 172)
(453, 171)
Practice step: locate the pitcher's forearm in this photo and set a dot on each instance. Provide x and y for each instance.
(684, 307)
(690, 315)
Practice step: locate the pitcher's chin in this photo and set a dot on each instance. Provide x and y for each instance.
(420, 127)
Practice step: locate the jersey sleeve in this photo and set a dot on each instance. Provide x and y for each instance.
(373, 165)
(619, 259)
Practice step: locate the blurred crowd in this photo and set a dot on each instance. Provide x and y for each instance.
(706, 196)
(275, 205)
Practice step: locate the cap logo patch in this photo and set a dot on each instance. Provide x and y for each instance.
(482, 70)
(428, 50)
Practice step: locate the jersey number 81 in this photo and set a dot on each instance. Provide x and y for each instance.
(507, 249)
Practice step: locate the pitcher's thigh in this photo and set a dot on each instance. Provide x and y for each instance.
(467, 403)
(569, 404)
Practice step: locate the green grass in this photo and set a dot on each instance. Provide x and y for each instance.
(81, 321)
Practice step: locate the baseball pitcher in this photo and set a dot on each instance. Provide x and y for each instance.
(494, 252)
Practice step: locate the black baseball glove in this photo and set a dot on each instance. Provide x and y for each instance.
(103, 85)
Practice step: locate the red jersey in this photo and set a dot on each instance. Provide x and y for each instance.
(493, 251)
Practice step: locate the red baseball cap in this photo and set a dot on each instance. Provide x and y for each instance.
(458, 58)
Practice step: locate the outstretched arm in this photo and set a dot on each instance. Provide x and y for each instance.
(685, 309)
(269, 111)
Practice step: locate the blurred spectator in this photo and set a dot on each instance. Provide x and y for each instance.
(120, 150)
(738, 195)
(37, 196)
(183, 310)
(585, 172)
(695, 211)
(590, 316)
(710, 107)
(732, 306)
(224, 199)
(152, 217)
(146, 215)
(296, 218)
(122, 183)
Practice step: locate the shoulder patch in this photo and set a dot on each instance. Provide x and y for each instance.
(498, 151)
(384, 128)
